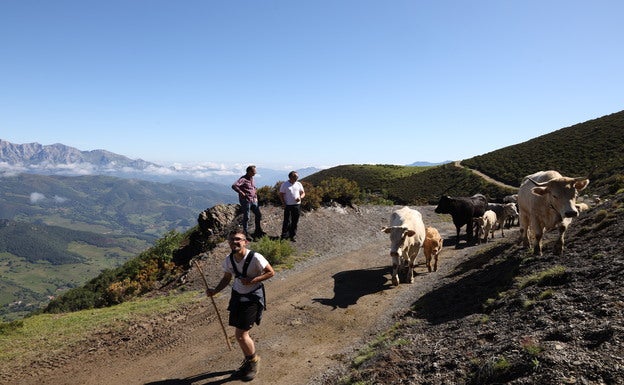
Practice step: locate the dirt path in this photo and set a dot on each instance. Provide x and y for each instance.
(318, 313)
(457, 163)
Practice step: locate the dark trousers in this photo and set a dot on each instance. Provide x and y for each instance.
(291, 220)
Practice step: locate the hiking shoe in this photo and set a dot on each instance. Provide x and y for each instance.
(247, 370)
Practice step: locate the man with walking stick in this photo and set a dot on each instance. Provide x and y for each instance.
(247, 302)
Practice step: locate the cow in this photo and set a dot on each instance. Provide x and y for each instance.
(407, 235)
(547, 201)
(432, 247)
(512, 214)
(485, 225)
(463, 210)
(503, 211)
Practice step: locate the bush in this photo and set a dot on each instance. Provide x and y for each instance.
(275, 251)
(313, 197)
(340, 190)
(269, 195)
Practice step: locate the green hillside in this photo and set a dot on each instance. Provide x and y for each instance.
(374, 178)
(38, 261)
(56, 232)
(594, 148)
(412, 185)
(103, 204)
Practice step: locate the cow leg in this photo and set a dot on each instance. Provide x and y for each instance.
(560, 240)
(539, 232)
(457, 243)
(428, 261)
(395, 270)
(412, 264)
(524, 231)
(469, 232)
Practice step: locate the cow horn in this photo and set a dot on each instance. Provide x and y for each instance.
(537, 183)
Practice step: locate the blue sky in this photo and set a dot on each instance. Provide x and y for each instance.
(289, 84)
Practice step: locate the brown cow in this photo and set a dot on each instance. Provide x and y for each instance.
(432, 247)
(547, 201)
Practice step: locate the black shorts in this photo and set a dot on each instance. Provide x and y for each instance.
(244, 315)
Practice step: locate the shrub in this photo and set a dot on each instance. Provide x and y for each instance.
(276, 251)
(341, 190)
(269, 195)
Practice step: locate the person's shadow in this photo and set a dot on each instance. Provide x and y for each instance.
(351, 285)
(200, 377)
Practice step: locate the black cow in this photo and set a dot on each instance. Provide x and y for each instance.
(463, 210)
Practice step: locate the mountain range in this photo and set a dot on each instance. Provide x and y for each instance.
(59, 159)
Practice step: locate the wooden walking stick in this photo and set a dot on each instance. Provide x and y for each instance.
(214, 305)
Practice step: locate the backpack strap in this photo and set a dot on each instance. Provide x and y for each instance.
(248, 259)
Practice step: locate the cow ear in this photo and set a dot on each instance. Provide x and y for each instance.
(410, 233)
(581, 184)
(540, 190)
(385, 230)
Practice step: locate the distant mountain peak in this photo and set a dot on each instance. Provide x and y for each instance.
(424, 163)
(60, 154)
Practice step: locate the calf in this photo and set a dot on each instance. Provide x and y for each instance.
(503, 212)
(486, 225)
(407, 235)
(432, 247)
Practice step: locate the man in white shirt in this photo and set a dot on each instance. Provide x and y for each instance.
(291, 193)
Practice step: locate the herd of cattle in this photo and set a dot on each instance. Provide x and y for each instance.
(545, 201)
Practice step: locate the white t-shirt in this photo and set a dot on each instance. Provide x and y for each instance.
(256, 267)
(291, 191)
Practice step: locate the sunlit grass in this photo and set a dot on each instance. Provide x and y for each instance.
(53, 332)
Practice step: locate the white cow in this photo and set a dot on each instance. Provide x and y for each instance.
(486, 225)
(503, 212)
(547, 201)
(407, 235)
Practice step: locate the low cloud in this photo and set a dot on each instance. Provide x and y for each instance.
(58, 199)
(37, 197)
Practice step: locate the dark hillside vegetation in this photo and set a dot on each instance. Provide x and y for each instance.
(371, 178)
(594, 148)
(427, 187)
(411, 185)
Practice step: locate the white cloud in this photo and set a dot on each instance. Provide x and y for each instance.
(37, 197)
(59, 199)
